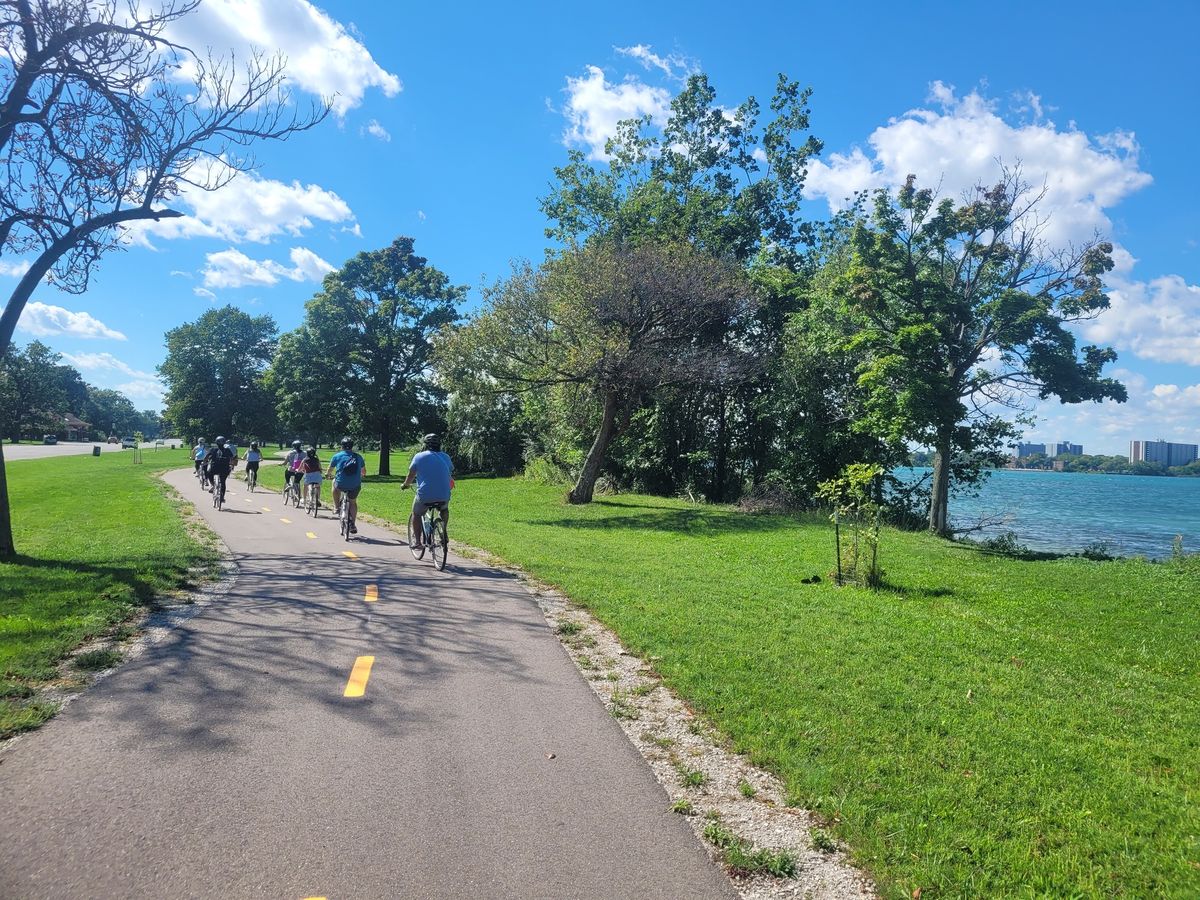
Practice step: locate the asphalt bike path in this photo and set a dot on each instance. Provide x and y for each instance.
(342, 726)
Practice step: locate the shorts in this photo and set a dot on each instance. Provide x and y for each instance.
(420, 506)
(313, 477)
(251, 466)
(349, 493)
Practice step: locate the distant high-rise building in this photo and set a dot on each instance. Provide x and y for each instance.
(1163, 452)
(1024, 450)
(1064, 447)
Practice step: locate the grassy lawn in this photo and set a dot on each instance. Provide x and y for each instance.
(98, 538)
(982, 727)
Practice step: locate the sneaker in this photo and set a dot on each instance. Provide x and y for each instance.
(353, 528)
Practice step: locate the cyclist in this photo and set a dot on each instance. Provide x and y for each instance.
(221, 462)
(431, 470)
(253, 458)
(291, 466)
(310, 470)
(347, 469)
(198, 453)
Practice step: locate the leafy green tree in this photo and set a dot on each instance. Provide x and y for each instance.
(369, 332)
(110, 412)
(619, 322)
(310, 388)
(32, 398)
(729, 182)
(214, 375)
(962, 312)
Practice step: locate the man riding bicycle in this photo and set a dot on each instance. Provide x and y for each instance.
(347, 469)
(221, 462)
(198, 453)
(431, 470)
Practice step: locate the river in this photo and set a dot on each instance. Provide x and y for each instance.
(1067, 511)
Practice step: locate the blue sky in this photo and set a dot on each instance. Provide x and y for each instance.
(451, 118)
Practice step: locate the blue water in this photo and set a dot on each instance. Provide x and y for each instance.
(1067, 511)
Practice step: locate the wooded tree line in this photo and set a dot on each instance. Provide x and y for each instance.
(690, 332)
(37, 389)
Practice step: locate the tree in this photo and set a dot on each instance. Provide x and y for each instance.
(963, 311)
(103, 120)
(214, 375)
(369, 331)
(728, 183)
(32, 398)
(618, 321)
(308, 385)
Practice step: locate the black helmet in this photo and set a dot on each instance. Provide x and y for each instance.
(432, 441)
(311, 451)
(347, 443)
(221, 441)
(254, 445)
(296, 444)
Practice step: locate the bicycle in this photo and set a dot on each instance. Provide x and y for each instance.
(311, 502)
(291, 492)
(218, 495)
(436, 540)
(347, 523)
(251, 480)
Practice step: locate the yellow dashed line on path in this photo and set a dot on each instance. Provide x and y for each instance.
(357, 685)
(266, 509)
(372, 593)
(248, 500)
(285, 521)
(349, 554)
(311, 534)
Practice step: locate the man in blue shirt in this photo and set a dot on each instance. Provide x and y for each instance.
(431, 470)
(347, 469)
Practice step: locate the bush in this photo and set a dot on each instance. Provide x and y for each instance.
(544, 471)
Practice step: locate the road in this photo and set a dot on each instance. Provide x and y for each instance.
(67, 448)
(233, 760)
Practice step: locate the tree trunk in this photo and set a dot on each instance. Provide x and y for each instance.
(584, 487)
(939, 497)
(7, 550)
(720, 473)
(385, 447)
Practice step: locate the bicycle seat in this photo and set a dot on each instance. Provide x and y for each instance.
(436, 504)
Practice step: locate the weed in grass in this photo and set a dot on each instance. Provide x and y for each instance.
(18, 717)
(644, 688)
(664, 742)
(568, 628)
(96, 660)
(585, 661)
(613, 676)
(822, 840)
(746, 789)
(683, 807)
(741, 856)
(622, 708)
(691, 777)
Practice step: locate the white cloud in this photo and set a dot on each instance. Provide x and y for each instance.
(421, 214)
(231, 268)
(673, 65)
(204, 293)
(43, 320)
(142, 386)
(14, 268)
(249, 208)
(964, 143)
(324, 57)
(1157, 319)
(595, 106)
(374, 129)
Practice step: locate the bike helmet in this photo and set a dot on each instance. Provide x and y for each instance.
(311, 451)
(296, 444)
(347, 443)
(221, 441)
(432, 441)
(254, 445)
(202, 440)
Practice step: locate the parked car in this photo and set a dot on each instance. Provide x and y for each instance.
(128, 443)
(113, 439)
(49, 439)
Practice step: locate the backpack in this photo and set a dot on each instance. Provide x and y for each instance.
(349, 468)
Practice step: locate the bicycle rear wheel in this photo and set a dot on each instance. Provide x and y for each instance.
(418, 553)
(438, 547)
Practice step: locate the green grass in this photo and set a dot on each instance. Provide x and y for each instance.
(982, 726)
(743, 858)
(98, 538)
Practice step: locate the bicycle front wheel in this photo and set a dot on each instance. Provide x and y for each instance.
(438, 543)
